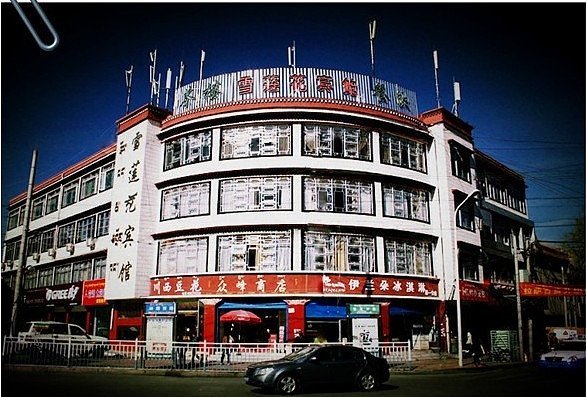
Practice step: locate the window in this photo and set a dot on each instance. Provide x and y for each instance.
(52, 202)
(188, 200)
(406, 203)
(63, 274)
(103, 223)
(33, 244)
(193, 148)
(15, 218)
(405, 257)
(106, 177)
(466, 214)
(12, 251)
(82, 271)
(461, 162)
(30, 279)
(65, 235)
(257, 140)
(47, 240)
(46, 277)
(69, 194)
(99, 268)
(187, 256)
(469, 266)
(85, 229)
(336, 141)
(255, 194)
(338, 195)
(339, 252)
(403, 152)
(38, 206)
(89, 185)
(504, 192)
(255, 252)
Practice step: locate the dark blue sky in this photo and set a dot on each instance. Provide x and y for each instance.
(521, 68)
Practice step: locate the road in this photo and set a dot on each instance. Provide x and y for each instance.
(519, 381)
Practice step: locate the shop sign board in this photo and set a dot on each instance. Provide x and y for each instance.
(159, 335)
(160, 308)
(366, 334)
(363, 309)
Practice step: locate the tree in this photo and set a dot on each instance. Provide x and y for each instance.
(574, 247)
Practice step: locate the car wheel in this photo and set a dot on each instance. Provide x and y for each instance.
(287, 384)
(367, 381)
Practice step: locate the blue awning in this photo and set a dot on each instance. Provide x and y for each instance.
(322, 310)
(402, 311)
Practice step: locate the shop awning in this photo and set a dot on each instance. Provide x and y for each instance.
(324, 310)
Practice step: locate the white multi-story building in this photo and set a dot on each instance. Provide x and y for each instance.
(291, 193)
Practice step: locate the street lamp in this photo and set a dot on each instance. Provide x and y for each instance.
(457, 277)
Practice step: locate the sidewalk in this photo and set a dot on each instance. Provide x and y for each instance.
(420, 364)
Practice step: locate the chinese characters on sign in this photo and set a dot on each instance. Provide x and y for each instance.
(281, 284)
(295, 83)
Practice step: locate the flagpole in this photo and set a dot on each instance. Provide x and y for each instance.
(167, 86)
(202, 58)
(372, 27)
(435, 56)
(152, 71)
(128, 75)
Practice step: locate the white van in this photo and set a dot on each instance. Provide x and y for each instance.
(52, 335)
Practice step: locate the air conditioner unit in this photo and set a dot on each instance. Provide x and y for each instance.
(52, 252)
(36, 256)
(91, 243)
(70, 247)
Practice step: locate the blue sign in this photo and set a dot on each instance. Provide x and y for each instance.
(152, 308)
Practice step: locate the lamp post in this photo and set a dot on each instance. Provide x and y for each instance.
(457, 278)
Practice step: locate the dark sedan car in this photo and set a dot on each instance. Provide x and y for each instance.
(321, 365)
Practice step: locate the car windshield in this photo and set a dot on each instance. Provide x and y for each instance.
(306, 351)
(571, 345)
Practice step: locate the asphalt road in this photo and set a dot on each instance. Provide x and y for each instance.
(520, 381)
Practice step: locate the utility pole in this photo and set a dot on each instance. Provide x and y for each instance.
(22, 252)
(518, 297)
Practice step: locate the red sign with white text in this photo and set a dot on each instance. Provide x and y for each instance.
(548, 290)
(291, 284)
(471, 291)
(93, 293)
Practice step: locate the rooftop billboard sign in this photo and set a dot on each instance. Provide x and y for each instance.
(294, 83)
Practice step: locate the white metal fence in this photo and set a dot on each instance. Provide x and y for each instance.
(199, 356)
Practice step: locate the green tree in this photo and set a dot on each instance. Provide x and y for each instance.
(574, 247)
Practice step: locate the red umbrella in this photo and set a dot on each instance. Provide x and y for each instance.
(240, 316)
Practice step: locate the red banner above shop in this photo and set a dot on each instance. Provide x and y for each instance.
(549, 290)
(292, 284)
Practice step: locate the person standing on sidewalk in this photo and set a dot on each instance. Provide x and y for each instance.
(227, 341)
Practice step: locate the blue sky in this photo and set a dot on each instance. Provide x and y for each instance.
(521, 68)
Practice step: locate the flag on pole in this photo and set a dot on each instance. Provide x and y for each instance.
(372, 28)
(168, 80)
(181, 70)
(152, 72)
(128, 76)
(291, 55)
(202, 58)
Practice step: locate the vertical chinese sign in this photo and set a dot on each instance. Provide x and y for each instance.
(132, 250)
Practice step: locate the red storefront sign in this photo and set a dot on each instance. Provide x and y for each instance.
(474, 291)
(549, 290)
(93, 293)
(291, 284)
